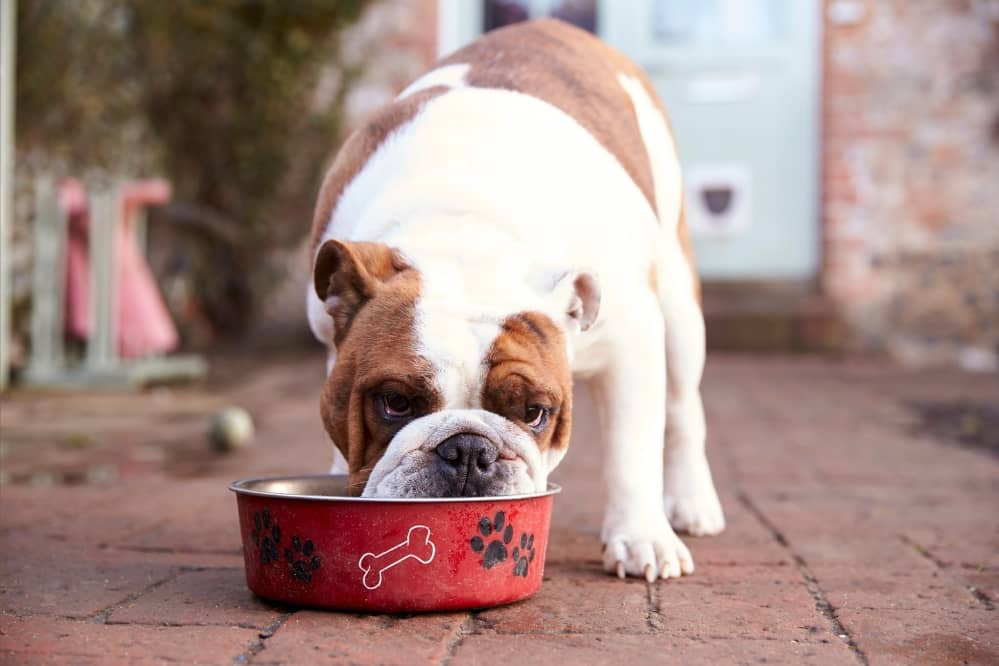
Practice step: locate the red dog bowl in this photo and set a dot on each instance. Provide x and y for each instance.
(306, 543)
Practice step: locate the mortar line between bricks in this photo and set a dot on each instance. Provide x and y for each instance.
(923, 552)
(652, 617)
(467, 627)
(241, 625)
(101, 616)
(639, 634)
(259, 645)
(811, 582)
(167, 550)
(979, 596)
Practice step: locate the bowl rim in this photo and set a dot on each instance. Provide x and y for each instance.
(240, 487)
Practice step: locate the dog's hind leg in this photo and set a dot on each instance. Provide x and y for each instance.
(690, 499)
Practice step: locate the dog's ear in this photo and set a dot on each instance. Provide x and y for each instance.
(576, 295)
(347, 275)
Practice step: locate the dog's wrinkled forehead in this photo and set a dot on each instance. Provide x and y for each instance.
(456, 350)
(456, 330)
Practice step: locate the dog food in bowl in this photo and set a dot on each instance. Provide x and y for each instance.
(307, 543)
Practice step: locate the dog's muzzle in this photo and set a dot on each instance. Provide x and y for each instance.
(459, 453)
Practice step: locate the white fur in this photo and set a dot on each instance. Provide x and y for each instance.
(339, 465)
(690, 499)
(450, 76)
(320, 322)
(662, 154)
(637, 536)
(493, 195)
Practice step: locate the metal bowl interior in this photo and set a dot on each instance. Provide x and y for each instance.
(333, 488)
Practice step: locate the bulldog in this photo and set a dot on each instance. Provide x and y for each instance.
(511, 221)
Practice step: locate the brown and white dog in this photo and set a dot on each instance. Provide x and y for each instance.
(513, 219)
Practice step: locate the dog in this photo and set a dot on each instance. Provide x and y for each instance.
(511, 221)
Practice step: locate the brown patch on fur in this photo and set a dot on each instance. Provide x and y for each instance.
(356, 151)
(528, 366)
(572, 70)
(352, 272)
(376, 354)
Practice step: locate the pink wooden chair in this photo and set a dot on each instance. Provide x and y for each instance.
(143, 326)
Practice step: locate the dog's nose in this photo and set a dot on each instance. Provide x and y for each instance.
(466, 449)
(467, 459)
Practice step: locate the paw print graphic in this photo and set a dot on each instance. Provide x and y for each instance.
(266, 536)
(302, 560)
(523, 555)
(498, 534)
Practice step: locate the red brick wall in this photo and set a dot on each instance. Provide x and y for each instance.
(911, 175)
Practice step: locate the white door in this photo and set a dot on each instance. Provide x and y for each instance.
(740, 79)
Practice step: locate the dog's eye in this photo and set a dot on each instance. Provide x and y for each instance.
(535, 416)
(396, 405)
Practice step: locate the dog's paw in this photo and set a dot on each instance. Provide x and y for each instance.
(690, 501)
(697, 515)
(644, 548)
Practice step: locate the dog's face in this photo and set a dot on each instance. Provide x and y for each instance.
(424, 401)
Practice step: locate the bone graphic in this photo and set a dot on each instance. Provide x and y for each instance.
(417, 546)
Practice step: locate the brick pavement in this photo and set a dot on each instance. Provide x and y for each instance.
(859, 533)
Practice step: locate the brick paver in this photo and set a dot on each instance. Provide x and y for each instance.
(208, 596)
(43, 640)
(486, 650)
(858, 533)
(312, 637)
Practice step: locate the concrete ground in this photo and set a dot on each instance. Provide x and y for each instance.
(862, 500)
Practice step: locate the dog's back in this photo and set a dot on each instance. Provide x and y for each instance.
(595, 89)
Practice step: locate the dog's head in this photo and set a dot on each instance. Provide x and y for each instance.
(430, 398)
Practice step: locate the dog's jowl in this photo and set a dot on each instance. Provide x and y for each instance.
(512, 221)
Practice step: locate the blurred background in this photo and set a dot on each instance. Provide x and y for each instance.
(841, 165)
(841, 156)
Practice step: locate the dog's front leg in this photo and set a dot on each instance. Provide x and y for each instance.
(630, 396)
